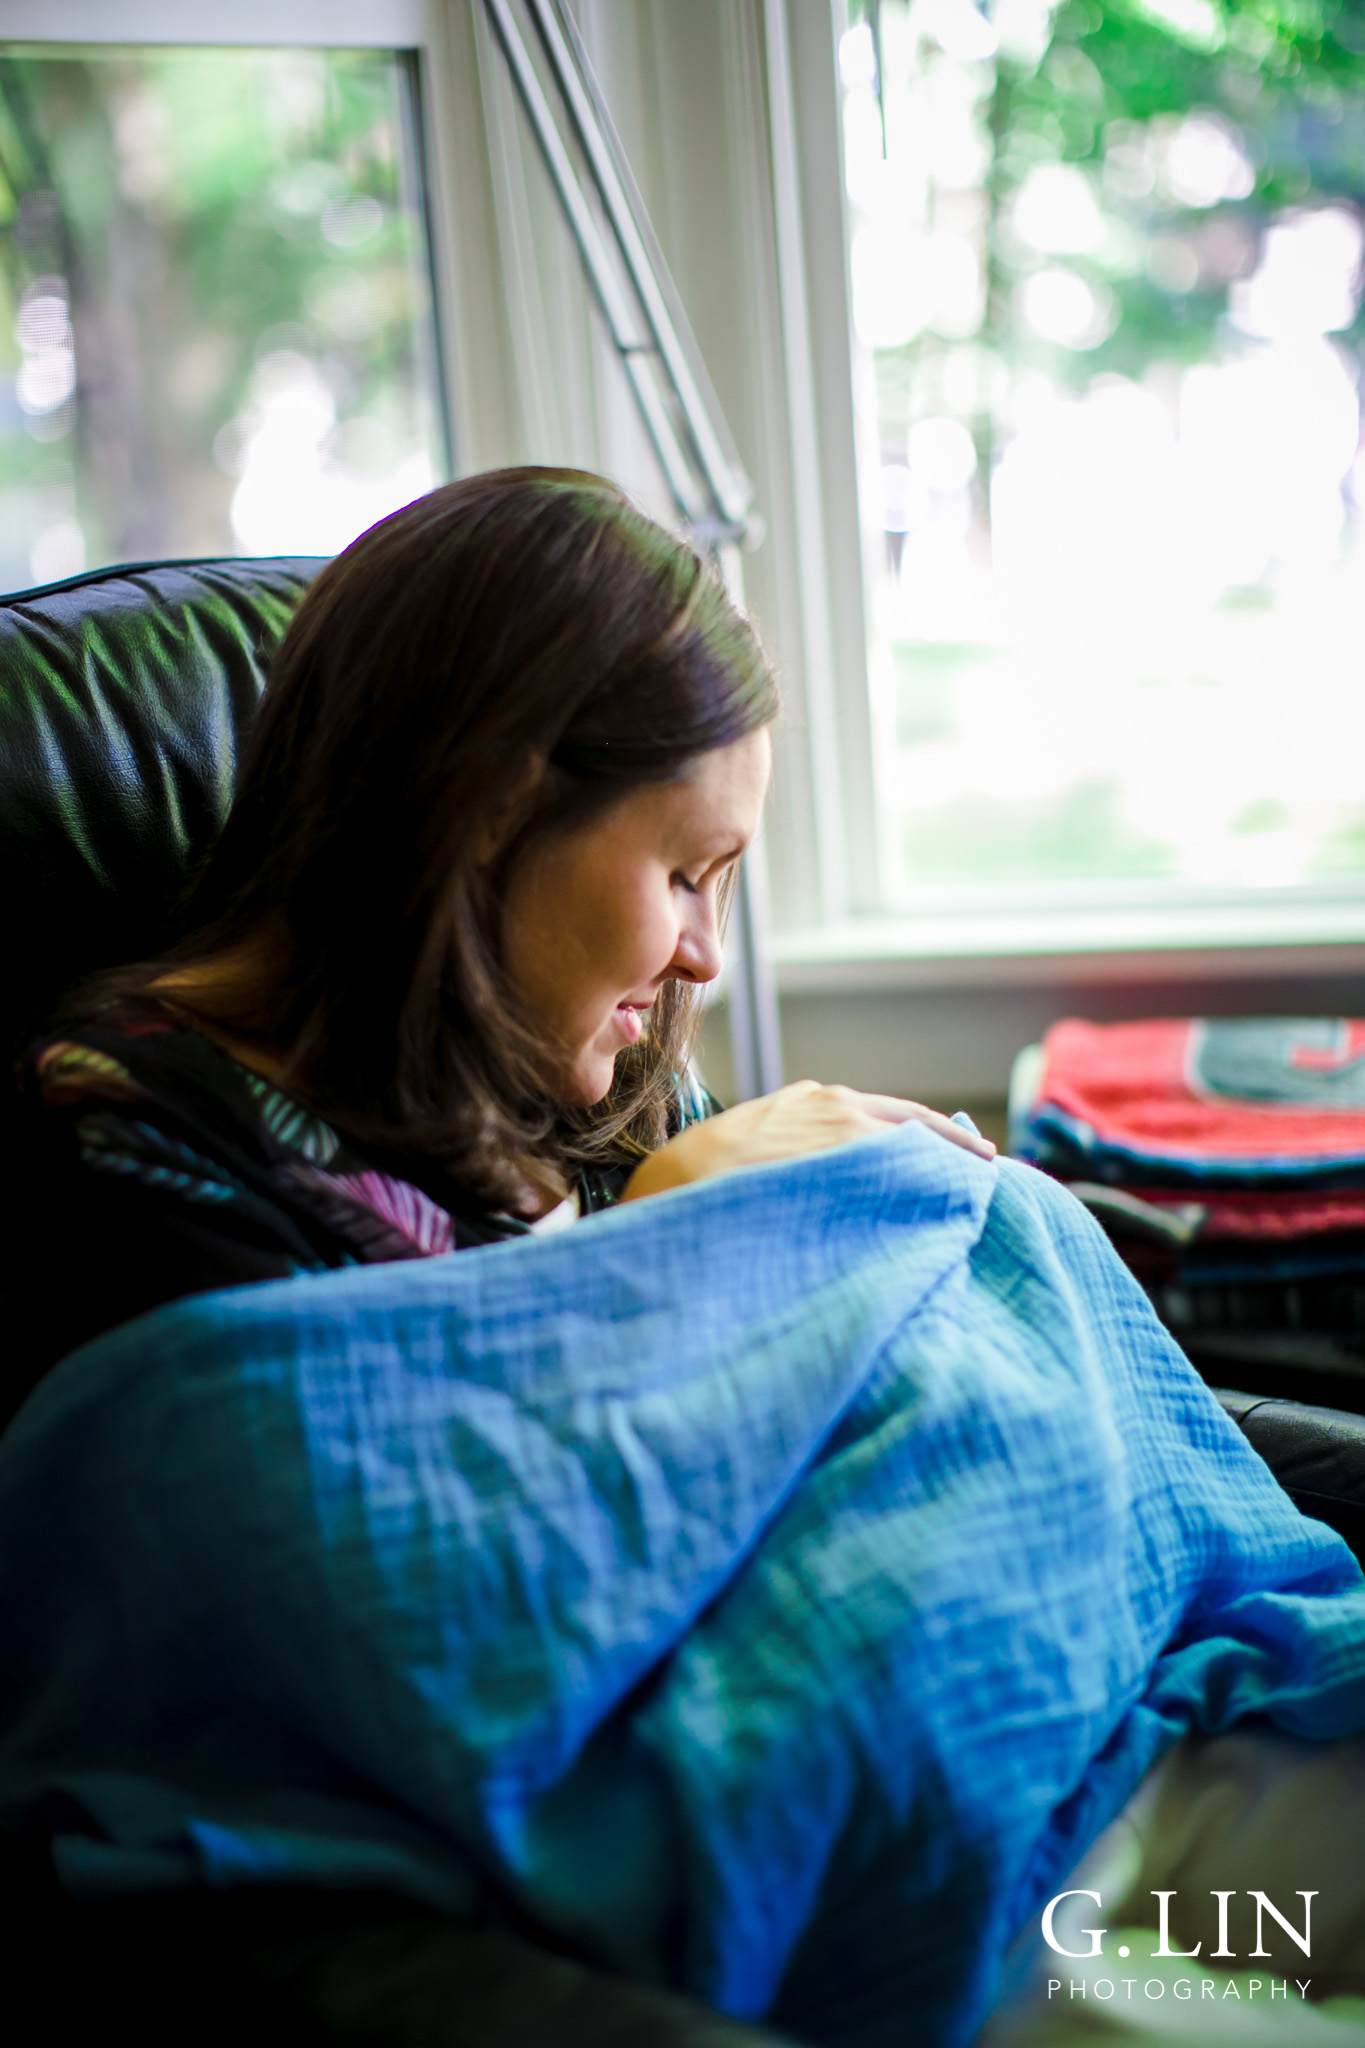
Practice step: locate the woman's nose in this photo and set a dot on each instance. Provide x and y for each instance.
(699, 955)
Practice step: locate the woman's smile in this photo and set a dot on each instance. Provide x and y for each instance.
(631, 1020)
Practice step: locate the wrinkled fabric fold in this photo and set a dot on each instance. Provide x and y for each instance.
(768, 1588)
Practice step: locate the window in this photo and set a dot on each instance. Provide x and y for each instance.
(1106, 274)
(216, 330)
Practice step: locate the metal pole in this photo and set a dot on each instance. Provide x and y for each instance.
(705, 479)
(727, 485)
(750, 986)
(750, 989)
(627, 331)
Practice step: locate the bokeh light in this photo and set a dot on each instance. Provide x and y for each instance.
(303, 485)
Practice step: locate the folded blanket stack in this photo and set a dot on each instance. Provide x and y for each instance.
(1226, 1160)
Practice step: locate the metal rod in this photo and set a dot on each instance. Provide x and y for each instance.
(729, 487)
(751, 986)
(652, 260)
(627, 331)
(661, 360)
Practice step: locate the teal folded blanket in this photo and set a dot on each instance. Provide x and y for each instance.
(770, 1589)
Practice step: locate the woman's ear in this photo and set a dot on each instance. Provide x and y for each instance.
(510, 810)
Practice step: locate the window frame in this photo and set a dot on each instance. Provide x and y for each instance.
(779, 55)
(319, 24)
(1101, 932)
(403, 27)
(790, 345)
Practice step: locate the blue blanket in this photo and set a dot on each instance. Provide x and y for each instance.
(771, 1588)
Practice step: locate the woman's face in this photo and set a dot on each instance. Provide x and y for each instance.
(598, 919)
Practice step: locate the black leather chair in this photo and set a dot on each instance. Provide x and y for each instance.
(1317, 1454)
(122, 698)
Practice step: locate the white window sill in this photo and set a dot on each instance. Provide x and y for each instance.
(1125, 933)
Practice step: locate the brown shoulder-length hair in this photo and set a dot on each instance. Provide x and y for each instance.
(516, 619)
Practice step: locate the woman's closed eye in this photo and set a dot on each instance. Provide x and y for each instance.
(696, 881)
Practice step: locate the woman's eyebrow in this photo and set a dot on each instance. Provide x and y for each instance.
(719, 859)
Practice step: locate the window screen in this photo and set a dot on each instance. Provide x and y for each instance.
(215, 311)
(1106, 266)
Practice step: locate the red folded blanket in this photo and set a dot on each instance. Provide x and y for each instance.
(1226, 1160)
(1250, 1098)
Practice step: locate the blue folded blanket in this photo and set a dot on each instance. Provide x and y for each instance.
(771, 1587)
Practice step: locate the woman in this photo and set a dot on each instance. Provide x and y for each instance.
(439, 977)
(769, 1594)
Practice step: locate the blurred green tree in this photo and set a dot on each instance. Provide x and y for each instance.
(196, 210)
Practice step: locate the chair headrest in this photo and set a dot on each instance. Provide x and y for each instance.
(123, 695)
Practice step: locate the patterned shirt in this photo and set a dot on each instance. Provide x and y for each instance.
(151, 1165)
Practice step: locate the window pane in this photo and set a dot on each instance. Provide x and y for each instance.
(216, 328)
(1106, 278)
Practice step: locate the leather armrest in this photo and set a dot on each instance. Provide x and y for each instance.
(1317, 1454)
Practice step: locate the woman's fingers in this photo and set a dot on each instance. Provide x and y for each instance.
(958, 1134)
(895, 1109)
(801, 1118)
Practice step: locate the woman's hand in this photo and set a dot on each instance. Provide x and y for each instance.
(802, 1117)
